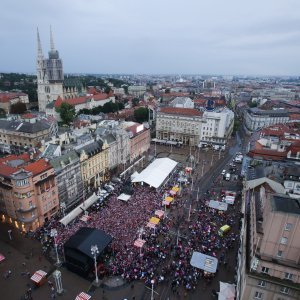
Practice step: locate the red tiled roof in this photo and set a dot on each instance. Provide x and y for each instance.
(6, 97)
(28, 116)
(181, 111)
(38, 166)
(81, 100)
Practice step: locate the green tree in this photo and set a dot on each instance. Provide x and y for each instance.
(121, 105)
(135, 102)
(67, 112)
(18, 108)
(141, 114)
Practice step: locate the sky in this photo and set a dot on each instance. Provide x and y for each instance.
(257, 37)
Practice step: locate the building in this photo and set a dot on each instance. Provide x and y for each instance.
(255, 118)
(270, 251)
(292, 182)
(82, 102)
(50, 77)
(68, 176)
(7, 99)
(217, 126)
(28, 191)
(139, 139)
(110, 132)
(26, 132)
(182, 125)
(182, 102)
(137, 90)
(94, 163)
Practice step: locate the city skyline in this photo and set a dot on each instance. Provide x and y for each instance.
(155, 38)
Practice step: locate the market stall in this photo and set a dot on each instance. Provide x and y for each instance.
(39, 277)
(83, 296)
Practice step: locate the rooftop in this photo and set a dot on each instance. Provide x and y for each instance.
(285, 204)
(181, 111)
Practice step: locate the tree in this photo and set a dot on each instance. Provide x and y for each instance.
(141, 114)
(135, 102)
(67, 112)
(121, 105)
(18, 108)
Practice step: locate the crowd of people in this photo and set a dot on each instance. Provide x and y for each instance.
(165, 257)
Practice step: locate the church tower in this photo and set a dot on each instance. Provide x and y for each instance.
(50, 74)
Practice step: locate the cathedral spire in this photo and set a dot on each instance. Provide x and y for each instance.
(52, 47)
(40, 51)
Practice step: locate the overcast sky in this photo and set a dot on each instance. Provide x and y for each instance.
(155, 36)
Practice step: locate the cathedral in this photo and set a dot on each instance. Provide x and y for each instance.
(50, 77)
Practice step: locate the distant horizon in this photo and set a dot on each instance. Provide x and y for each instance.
(158, 74)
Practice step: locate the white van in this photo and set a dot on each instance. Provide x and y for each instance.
(227, 176)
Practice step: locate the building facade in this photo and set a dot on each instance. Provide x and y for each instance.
(28, 191)
(7, 99)
(139, 140)
(179, 124)
(68, 176)
(25, 133)
(217, 126)
(94, 163)
(255, 118)
(270, 252)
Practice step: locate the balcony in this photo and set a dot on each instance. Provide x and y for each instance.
(25, 210)
(27, 220)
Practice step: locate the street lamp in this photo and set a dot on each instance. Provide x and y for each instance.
(152, 289)
(95, 252)
(53, 234)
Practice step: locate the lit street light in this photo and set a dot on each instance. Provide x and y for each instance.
(95, 252)
(53, 234)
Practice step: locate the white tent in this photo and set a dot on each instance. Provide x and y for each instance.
(218, 205)
(204, 262)
(124, 197)
(134, 175)
(227, 291)
(157, 172)
(78, 210)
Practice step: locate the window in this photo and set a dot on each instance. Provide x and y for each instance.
(283, 241)
(265, 270)
(261, 283)
(288, 226)
(284, 290)
(258, 295)
(288, 276)
(279, 253)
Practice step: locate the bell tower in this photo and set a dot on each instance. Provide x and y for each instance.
(50, 74)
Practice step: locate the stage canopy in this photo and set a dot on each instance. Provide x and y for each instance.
(77, 249)
(157, 172)
(218, 205)
(79, 209)
(204, 262)
(124, 197)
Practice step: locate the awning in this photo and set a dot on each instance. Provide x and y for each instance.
(204, 262)
(38, 276)
(2, 257)
(159, 213)
(173, 193)
(139, 243)
(218, 205)
(83, 296)
(79, 209)
(124, 197)
(154, 220)
(169, 199)
(165, 203)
